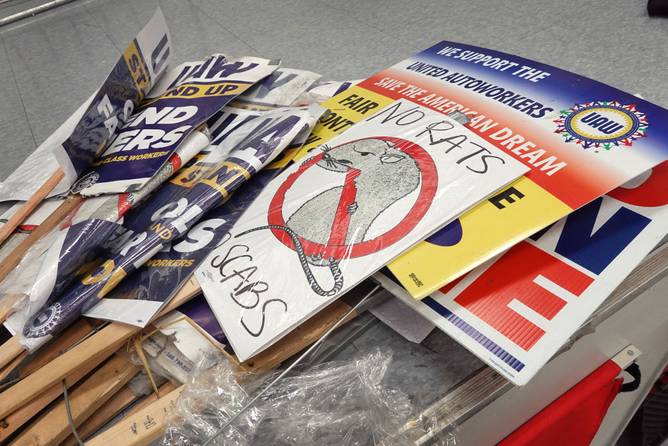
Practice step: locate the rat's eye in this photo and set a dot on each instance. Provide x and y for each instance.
(362, 153)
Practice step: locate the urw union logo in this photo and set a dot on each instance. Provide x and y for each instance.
(603, 124)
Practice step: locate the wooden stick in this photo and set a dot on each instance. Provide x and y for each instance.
(9, 368)
(18, 418)
(7, 303)
(10, 350)
(152, 398)
(94, 349)
(54, 426)
(75, 333)
(119, 401)
(141, 428)
(26, 209)
(50, 223)
(112, 408)
(58, 346)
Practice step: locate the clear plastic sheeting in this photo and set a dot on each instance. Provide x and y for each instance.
(215, 392)
(16, 290)
(340, 402)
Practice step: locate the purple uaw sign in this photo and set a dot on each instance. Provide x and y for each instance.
(125, 87)
(175, 219)
(157, 129)
(141, 295)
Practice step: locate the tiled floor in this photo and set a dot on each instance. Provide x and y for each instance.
(50, 63)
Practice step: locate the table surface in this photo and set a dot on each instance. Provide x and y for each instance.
(50, 63)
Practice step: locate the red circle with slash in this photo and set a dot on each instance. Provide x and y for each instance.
(338, 249)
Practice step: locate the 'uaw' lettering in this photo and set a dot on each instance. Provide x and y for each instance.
(214, 68)
(444, 134)
(601, 123)
(260, 143)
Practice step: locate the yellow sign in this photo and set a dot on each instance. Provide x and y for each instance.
(428, 266)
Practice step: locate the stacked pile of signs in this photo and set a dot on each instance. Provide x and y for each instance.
(226, 174)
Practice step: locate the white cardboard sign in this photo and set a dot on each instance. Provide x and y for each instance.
(330, 221)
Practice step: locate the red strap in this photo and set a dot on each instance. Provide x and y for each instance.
(339, 231)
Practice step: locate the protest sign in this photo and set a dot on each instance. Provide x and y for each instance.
(142, 294)
(328, 222)
(516, 311)
(580, 138)
(154, 132)
(83, 137)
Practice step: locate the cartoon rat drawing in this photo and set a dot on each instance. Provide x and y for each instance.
(377, 175)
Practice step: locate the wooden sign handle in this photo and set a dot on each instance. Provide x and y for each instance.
(93, 350)
(10, 350)
(54, 426)
(141, 428)
(26, 209)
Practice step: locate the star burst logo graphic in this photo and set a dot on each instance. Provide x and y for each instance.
(601, 124)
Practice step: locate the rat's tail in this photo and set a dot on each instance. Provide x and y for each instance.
(315, 286)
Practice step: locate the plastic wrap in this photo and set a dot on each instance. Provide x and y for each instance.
(342, 403)
(215, 392)
(16, 289)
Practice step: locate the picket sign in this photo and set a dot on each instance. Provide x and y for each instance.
(516, 311)
(328, 222)
(580, 137)
(77, 142)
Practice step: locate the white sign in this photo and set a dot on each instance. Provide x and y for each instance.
(330, 221)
